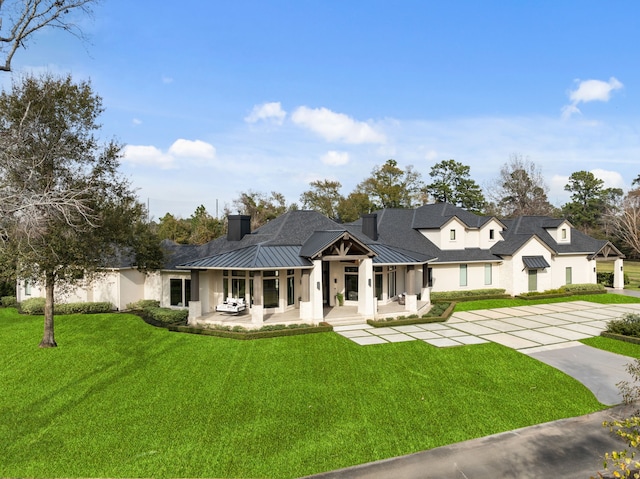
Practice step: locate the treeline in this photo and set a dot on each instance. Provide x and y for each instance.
(519, 189)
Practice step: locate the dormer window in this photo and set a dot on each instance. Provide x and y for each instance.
(563, 233)
(492, 234)
(452, 235)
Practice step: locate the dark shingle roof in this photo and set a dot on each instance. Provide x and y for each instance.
(292, 238)
(435, 215)
(521, 229)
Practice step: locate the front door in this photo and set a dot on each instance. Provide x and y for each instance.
(533, 280)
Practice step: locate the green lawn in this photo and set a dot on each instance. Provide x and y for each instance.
(119, 398)
(609, 298)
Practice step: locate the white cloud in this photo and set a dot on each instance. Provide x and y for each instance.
(136, 121)
(271, 112)
(431, 155)
(335, 158)
(194, 149)
(166, 80)
(612, 179)
(336, 126)
(590, 90)
(147, 156)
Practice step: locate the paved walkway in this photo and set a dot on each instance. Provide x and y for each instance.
(528, 329)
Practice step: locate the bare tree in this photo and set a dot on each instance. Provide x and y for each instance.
(520, 189)
(625, 220)
(20, 19)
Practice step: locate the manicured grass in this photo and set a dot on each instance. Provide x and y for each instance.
(631, 268)
(614, 345)
(609, 298)
(119, 398)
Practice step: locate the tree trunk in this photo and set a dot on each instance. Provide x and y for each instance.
(48, 340)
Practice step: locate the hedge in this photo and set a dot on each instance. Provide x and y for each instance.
(83, 308)
(440, 315)
(32, 306)
(143, 303)
(565, 291)
(470, 295)
(464, 294)
(607, 278)
(8, 302)
(166, 315)
(35, 306)
(267, 331)
(584, 287)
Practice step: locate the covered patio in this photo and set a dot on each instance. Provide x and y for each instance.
(335, 315)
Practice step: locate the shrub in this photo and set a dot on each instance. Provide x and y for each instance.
(32, 306)
(582, 287)
(83, 308)
(8, 301)
(548, 292)
(468, 293)
(268, 331)
(437, 309)
(606, 279)
(143, 304)
(35, 306)
(628, 325)
(167, 315)
(624, 463)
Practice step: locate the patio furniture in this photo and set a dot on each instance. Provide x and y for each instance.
(232, 305)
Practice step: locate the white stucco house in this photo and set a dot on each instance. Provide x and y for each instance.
(301, 263)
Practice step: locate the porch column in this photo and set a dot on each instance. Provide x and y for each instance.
(411, 298)
(315, 291)
(425, 290)
(306, 313)
(257, 308)
(195, 308)
(618, 274)
(366, 297)
(195, 285)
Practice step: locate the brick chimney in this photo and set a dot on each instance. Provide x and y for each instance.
(370, 226)
(238, 226)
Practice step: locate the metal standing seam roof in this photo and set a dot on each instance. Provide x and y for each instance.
(389, 255)
(253, 257)
(535, 262)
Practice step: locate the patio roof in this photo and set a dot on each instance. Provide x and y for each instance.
(388, 255)
(253, 257)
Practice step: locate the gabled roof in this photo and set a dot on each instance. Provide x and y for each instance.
(520, 229)
(319, 241)
(434, 216)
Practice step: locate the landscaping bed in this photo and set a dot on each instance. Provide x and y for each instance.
(444, 310)
(238, 332)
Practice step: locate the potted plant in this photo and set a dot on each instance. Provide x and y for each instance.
(340, 299)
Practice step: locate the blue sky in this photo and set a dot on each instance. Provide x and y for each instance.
(216, 98)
